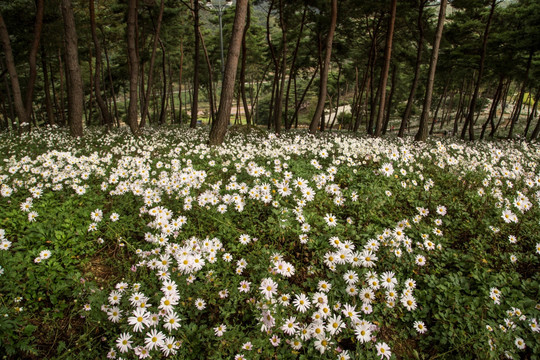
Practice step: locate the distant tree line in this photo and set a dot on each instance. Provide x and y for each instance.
(468, 68)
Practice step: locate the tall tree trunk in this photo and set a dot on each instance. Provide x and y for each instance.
(23, 116)
(283, 69)
(33, 54)
(325, 66)
(424, 118)
(149, 83)
(414, 86)
(243, 68)
(75, 89)
(97, 75)
(385, 69)
(133, 61)
(470, 115)
(196, 66)
(219, 126)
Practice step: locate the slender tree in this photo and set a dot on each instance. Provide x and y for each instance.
(325, 67)
(10, 64)
(247, 112)
(75, 87)
(421, 135)
(133, 61)
(219, 126)
(386, 68)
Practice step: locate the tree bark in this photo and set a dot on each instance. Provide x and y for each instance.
(219, 126)
(75, 89)
(324, 70)
(23, 116)
(423, 127)
(414, 86)
(470, 115)
(385, 69)
(133, 61)
(243, 68)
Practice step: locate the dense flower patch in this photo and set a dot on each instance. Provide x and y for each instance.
(291, 247)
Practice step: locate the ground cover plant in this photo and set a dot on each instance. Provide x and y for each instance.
(293, 247)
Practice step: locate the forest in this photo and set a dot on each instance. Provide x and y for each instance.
(467, 69)
(269, 179)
